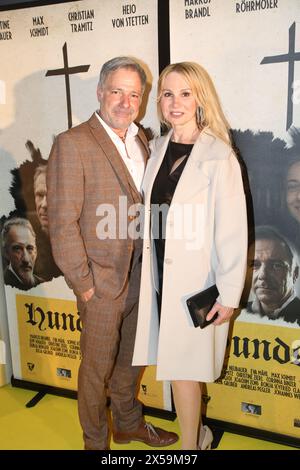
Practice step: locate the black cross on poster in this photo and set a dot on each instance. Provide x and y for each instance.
(67, 71)
(291, 57)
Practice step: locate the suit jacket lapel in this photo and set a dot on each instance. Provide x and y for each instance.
(145, 150)
(145, 144)
(114, 158)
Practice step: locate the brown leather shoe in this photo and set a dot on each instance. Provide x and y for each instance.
(147, 433)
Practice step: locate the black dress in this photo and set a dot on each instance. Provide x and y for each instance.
(162, 193)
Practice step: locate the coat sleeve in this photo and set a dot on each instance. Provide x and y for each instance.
(65, 198)
(230, 232)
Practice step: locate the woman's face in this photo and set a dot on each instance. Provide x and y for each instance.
(293, 191)
(177, 102)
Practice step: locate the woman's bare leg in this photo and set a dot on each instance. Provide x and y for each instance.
(187, 398)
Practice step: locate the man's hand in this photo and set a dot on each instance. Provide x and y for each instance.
(224, 313)
(86, 296)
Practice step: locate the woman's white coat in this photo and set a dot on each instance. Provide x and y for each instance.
(206, 243)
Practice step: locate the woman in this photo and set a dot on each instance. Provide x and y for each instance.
(195, 177)
(286, 214)
(290, 212)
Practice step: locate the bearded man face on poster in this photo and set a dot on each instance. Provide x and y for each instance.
(20, 252)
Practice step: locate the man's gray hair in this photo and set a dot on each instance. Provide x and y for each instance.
(14, 221)
(121, 62)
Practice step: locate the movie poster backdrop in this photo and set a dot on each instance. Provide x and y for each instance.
(51, 58)
(252, 51)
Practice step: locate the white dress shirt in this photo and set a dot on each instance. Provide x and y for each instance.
(130, 151)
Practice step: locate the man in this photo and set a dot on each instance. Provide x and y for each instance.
(40, 196)
(275, 272)
(92, 167)
(45, 264)
(19, 249)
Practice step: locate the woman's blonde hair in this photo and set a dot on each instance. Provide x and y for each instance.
(205, 95)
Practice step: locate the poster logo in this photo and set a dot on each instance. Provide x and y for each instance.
(66, 373)
(251, 409)
(30, 366)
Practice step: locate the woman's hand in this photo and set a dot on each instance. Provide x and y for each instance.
(224, 313)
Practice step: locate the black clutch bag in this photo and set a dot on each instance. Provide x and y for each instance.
(200, 304)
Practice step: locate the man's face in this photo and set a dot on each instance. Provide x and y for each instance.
(273, 276)
(21, 252)
(293, 191)
(40, 197)
(120, 98)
